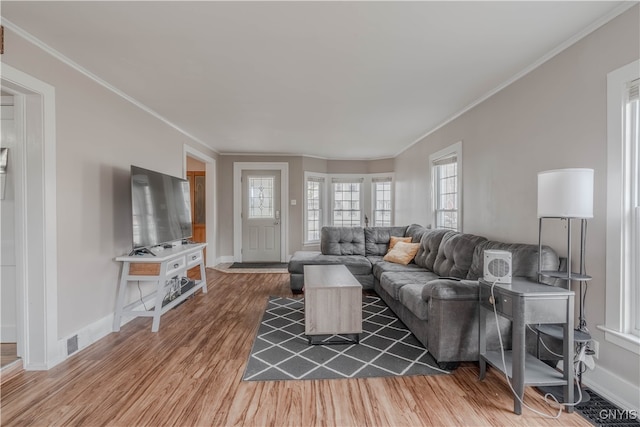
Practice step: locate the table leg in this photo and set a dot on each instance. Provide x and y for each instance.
(482, 342)
(568, 348)
(203, 276)
(120, 301)
(517, 368)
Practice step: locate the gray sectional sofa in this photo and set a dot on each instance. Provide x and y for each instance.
(436, 295)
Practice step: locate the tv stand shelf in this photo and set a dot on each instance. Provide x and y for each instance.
(159, 267)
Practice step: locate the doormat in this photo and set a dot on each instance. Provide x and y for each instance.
(601, 412)
(387, 348)
(278, 265)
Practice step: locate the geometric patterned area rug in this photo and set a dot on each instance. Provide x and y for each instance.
(387, 348)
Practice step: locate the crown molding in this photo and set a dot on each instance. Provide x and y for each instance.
(619, 10)
(310, 156)
(67, 61)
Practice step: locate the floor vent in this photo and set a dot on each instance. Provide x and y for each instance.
(72, 345)
(601, 412)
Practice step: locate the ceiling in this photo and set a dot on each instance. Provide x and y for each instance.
(337, 80)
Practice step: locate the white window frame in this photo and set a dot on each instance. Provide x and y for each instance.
(367, 198)
(344, 179)
(452, 150)
(620, 307)
(374, 179)
(323, 204)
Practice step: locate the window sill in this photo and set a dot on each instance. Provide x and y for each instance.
(626, 341)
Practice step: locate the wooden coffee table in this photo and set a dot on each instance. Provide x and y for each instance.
(332, 303)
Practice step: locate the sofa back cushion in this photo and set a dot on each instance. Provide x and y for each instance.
(524, 259)
(455, 254)
(342, 241)
(429, 245)
(415, 231)
(377, 239)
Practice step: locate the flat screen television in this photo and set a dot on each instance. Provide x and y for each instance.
(161, 208)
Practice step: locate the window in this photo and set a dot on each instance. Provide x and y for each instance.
(446, 168)
(381, 201)
(261, 197)
(622, 310)
(346, 202)
(313, 210)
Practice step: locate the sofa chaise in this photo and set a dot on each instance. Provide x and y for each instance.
(436, 294)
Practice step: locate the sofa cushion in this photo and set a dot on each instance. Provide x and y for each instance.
(402, 253)
(384, 266)
(415, 231)
(524, 259)
(342, 241)
(411, 297)
(447, 289)
(455, 254)
(377, 238)
(357, 265)
(393, 281)
(429, 244)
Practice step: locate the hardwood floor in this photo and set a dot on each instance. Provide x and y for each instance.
(189, 373)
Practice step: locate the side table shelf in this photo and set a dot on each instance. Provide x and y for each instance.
(160, 269)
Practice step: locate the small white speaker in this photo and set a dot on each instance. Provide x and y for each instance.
(497, 266)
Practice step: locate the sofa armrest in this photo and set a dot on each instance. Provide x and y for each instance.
(451, 289)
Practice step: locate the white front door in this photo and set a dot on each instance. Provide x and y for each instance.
(261, 216)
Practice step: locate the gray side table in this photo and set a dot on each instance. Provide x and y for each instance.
(525, 302)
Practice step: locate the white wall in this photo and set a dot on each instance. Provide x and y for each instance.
(554, 117)
(99, 135)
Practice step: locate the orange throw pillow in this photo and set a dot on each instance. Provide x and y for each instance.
(394, 240)
(402, 253)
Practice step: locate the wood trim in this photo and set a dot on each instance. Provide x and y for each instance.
(143, 269)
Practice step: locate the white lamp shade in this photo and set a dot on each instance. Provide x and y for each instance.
(565, 193)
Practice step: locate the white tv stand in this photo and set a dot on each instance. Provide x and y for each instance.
(161, 268)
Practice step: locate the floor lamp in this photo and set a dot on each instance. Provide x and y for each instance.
(567, 194)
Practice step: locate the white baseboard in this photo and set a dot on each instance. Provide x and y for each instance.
(224, 259)
(612, 387)
(8, 333)
(87, 336)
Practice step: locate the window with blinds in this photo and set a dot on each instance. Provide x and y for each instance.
(382, 201)
(313, 211)
(445, 184)
(446, 187)
(346, 202)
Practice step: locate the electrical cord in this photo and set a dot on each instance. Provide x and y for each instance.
(548, 398)
(543, 344)
(141, 299)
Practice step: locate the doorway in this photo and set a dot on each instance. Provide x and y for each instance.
(8, 268)
(196, 175)
(261, 210)
(35, 218)
(260, 169)
(202, 169)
